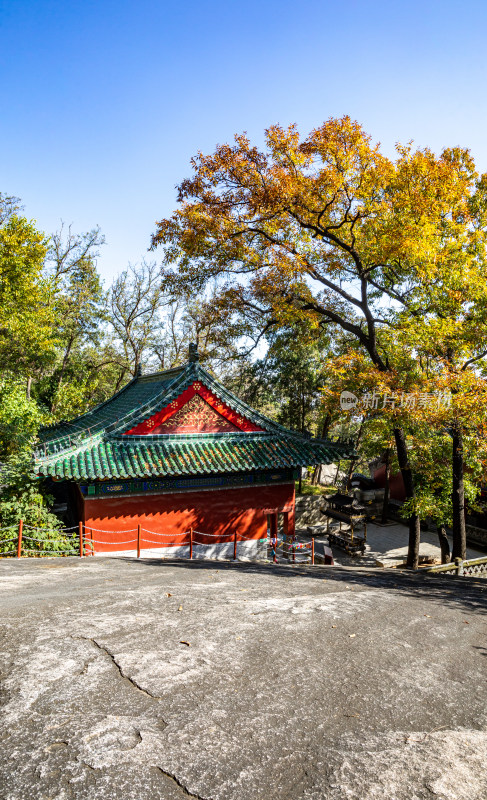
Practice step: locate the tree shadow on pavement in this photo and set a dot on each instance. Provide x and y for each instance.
(467, 593)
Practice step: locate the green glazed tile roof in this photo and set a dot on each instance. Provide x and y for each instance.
(93, 447)
(120, 459)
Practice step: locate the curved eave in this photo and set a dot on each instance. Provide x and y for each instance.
(163, 457)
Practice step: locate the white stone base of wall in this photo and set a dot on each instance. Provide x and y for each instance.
(250, 550)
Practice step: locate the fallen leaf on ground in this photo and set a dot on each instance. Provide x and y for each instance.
(180, 608)
(351, 635)
(183, 642)
(465, 622)
(333, 626)
(428, 615)
(168, 594)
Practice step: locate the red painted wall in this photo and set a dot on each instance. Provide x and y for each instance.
(396, 483)
(220, 511)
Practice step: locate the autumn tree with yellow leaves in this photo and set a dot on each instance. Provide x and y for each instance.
(327, 227)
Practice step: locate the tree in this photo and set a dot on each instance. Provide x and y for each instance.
(9, 206)
(20, 418)
(200, 320)
(22, 498)
(27, 330)
(451, 345)
(22, 495)
(286, 380)
(325, 227)
(78, 306)
(432, 458)
(136, 300)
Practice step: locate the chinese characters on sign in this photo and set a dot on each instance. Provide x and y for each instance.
(376, 400)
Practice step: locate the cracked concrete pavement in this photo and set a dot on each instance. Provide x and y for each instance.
(220, 681)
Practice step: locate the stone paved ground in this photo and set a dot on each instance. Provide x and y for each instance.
(162, 681)
(388, 545)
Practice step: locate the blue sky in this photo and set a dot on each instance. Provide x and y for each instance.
(104, 103)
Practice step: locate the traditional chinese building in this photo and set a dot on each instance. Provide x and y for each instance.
(176, 450)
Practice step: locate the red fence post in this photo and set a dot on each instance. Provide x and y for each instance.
(235, 546)
(81, 540)
(92, 543)
(191, 542)
(312, 551)
(138, 541)
(88, 543)
(19, 541)
(273, 532)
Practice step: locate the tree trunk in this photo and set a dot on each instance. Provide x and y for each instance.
(407, 476)
(29, 386)
(459, 548)
(387, 475)
(351, 468)
(67, 353)
(353, 461)
(326, 426)
(121, 376)
(317, 475)
(303, 412)
(444, 544)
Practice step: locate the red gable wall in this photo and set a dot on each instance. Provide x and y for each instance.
(196, 410)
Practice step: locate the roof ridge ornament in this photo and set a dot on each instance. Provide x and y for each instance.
(193, 355)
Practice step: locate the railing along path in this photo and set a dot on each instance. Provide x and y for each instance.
(80, 540)
(473, 568)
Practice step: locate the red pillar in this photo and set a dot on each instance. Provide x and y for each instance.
(289, 530)
(289, 523)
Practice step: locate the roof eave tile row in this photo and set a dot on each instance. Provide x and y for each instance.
(115, 459)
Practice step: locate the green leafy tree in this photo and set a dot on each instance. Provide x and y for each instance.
(22, 499)
(286, 380)
(20, 418)
(27, 328)
(80, 312)
(22, 496)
